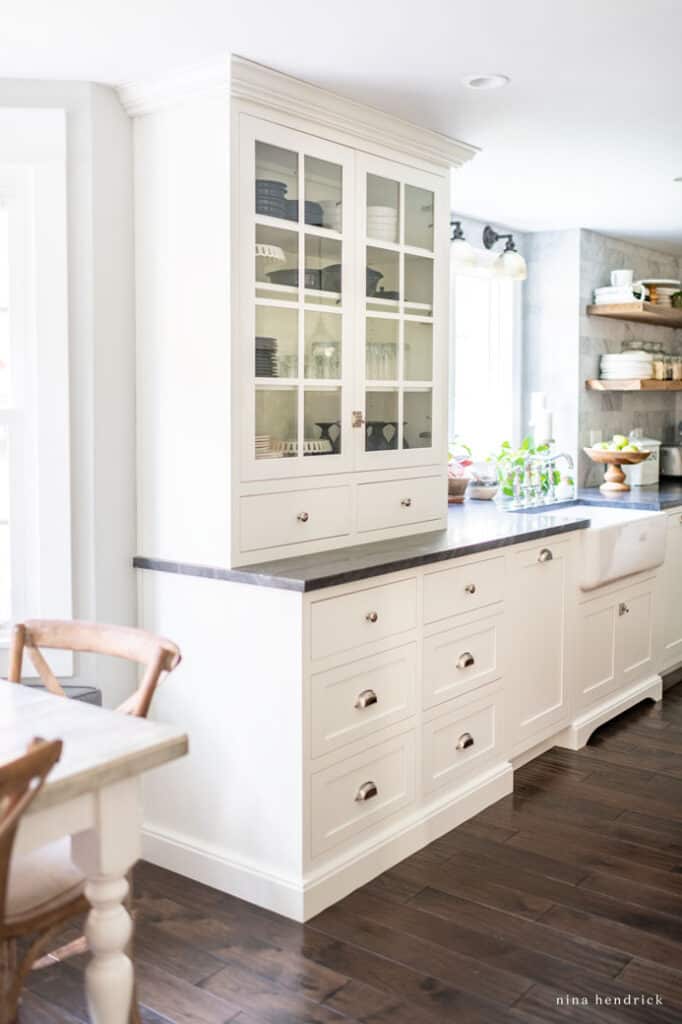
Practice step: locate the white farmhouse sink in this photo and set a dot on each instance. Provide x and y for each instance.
(618, 542)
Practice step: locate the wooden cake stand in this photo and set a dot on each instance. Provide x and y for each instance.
(614, 478)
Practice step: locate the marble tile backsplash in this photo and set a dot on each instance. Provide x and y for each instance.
(657, 413)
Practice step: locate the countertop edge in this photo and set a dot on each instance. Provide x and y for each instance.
(253, 577)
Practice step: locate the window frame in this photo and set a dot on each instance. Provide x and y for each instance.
(483, 269)
(37, 419)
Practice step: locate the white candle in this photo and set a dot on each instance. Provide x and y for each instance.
(544, 427)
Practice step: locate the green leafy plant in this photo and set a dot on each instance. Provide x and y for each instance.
(508, 460)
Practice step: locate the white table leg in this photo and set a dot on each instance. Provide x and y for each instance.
(105, 854)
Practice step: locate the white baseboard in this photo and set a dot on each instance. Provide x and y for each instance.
(302, 899)
(578, 733)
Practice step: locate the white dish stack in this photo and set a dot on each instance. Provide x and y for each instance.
(331, 214)
(630, 365)
(382, 223)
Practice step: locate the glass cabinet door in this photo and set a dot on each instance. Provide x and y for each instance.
(399, 259)
(295, 250)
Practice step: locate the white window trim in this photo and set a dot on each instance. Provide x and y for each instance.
(483, 268)
(40, 489)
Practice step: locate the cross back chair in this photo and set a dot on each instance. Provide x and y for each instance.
(157, 654)
(34, 902)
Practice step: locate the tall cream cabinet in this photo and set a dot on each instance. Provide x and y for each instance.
(340, 257)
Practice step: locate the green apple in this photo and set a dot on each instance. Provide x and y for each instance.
(619, 441)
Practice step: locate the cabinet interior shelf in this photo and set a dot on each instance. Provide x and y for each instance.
(633, 385)
(639, 312)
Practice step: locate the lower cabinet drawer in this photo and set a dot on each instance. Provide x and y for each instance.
(463, 588)
(361, 791)
(462, 659)
(294, 517)
(460, 742)
(345, 622)
(356, 700)
(394, 503)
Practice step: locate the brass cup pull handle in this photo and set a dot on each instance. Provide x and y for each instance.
(366, 791)
(372, 616)
(465, 740)
(465, 660)
(406, 502)
(470, 588)
(545, 555)
(623, 609)
(365, 699)
(303, 517)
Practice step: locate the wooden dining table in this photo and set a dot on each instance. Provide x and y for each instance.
(93, 795)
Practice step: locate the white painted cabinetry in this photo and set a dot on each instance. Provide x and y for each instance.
(672, 593)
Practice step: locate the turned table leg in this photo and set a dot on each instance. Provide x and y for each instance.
(105, 855)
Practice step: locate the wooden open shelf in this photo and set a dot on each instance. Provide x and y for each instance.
(639, 312)
(633, 385)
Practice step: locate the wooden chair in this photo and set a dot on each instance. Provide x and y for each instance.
(38, 893)
(157, 654)
(154, 652)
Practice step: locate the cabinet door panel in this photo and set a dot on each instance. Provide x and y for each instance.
(540, 593)
(597, 669)
(672, 595)
(635, 636)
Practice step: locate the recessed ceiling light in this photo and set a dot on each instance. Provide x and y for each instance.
(486, 81)
(677, 179)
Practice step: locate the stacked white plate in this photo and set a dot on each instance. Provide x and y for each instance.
(613, 295)
(382, 223)
(264, 448)
(636, 365)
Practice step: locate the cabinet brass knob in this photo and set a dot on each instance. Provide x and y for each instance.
(406, 502)
(372, 616)
(465, 740)
(366, 791)
(303, 517)
(465, 660)
(545, 555)
(623, 609)
(470, 588)
(365, 699)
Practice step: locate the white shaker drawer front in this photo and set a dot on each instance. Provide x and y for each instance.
(396, 502)
(294, 517)
(461, 659)
(345, 622)
(355, 700)
(459, 743)
(463, 588)
(359, 792)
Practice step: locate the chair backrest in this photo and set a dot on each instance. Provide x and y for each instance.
(20, 783)
(157, 654)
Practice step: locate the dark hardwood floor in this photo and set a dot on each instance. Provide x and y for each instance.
(569, 889)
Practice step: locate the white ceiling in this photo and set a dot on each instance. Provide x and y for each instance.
(589, 133)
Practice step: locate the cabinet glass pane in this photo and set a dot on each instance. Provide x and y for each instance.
(383, 209)
(418, 359)
(276, 348)
(323, 193)
(323, 270)
(276, 423)
(382, 273)
(381, 349)
(322, 421)
(419, 217)
(417, 419)
(419, 282)
(276, 182)
(276, 260)
(381, 420)
(323, 345)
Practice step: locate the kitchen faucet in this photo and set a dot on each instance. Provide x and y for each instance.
(528, 480)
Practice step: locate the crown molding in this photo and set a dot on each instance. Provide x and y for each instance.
(146, 97)
(255, 83)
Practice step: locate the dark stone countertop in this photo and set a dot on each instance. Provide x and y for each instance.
(655, 497)
(472, 527)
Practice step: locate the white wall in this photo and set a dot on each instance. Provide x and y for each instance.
(182, 242)
(101, 350)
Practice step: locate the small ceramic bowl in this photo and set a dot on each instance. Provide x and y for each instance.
(456, 489)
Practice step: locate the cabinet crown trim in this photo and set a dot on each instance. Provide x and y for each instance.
(255, 83)
(198, 80)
